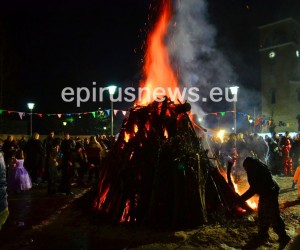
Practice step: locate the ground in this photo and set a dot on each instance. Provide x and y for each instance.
(38, 221)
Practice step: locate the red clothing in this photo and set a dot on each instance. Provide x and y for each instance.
(286, 159)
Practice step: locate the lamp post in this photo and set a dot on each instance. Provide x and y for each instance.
(112, 90)
(30, 106)
(234, 91)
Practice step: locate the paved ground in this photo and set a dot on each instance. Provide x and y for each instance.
(32, 211)
(39, 221)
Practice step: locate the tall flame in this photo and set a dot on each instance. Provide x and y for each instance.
(157, 69)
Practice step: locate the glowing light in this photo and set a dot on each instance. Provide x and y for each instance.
(147, 125)
(166, 134)
(126, 136)
(221, 134)
(136, 128)
(125, 212)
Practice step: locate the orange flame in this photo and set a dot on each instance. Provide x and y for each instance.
(251, 202)
(147, 125)
(125, 216)
(166, 134)
(126, 136)
(136, 128)
(157, 69)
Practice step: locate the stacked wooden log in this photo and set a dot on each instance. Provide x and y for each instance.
(158, 173)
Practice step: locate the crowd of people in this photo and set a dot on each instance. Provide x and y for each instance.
(28, 163)
(34, 161)
(279, 151)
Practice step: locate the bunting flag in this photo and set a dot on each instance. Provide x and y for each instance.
(21, 114)
(257, 120)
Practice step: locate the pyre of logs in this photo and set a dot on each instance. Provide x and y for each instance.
(158, 173)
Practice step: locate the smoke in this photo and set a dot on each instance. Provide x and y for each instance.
(192, 47)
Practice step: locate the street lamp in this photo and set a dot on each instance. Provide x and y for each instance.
(112, 89)
(30, 106)
(234, 91)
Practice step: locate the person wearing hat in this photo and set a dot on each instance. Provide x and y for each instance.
(262, 183)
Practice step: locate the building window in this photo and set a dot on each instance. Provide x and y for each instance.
(273, 96)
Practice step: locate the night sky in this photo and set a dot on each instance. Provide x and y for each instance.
(50, 45)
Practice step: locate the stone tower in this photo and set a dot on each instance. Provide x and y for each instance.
(280, 73)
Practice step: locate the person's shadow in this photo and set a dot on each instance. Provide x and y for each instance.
(290, 203)
(254, 243)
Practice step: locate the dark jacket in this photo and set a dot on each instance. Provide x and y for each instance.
(260, 179)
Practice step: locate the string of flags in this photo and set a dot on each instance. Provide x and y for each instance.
(93, 113)
(256, 120)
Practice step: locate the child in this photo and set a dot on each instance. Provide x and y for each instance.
(18, 177)
(297, 178)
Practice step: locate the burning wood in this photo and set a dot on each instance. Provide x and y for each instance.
(159, 174)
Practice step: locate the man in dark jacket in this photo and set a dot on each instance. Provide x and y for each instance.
(262, 183)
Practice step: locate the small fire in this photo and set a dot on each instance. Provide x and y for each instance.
(251, 202)
(136, 128)
(157, 69)
(166, 134)
(126, 136)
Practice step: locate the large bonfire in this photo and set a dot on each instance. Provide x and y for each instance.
(158, 172)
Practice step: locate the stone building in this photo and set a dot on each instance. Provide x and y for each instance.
(280, 73)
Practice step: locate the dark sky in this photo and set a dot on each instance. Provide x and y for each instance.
(50, 45)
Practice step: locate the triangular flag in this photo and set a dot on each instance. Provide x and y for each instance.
(248, 117)
(108, 112)
(8, 111)
(94, 114)
(1, 111)
(59, 115)
(116, 111)
(21, 115)
(222, 113)
(40, 115)
(124, 113)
